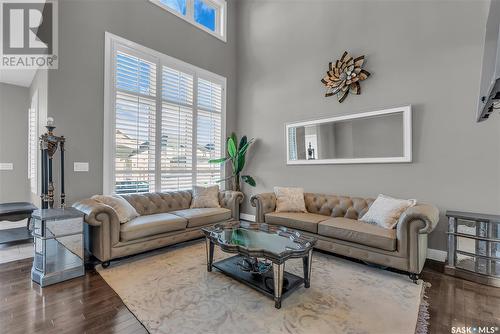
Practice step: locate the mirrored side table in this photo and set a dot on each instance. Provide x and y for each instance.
(58, 245)
(474, 247)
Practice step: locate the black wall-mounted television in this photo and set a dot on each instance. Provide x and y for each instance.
(489, 89)
(490, 102)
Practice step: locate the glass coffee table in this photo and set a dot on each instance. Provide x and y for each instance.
(260, 248)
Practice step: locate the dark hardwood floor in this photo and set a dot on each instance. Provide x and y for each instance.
(89, 305)
(457, 302)
(81, 305)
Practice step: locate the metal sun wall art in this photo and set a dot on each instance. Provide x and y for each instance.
(344, 76)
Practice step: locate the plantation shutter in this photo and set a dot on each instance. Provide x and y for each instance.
(135, 123)
(32, 148)
(209, 135)
(176, 130)
(166, 121)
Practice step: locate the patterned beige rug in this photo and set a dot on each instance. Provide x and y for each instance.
(170, 291)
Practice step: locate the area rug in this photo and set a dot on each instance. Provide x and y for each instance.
(170, 291)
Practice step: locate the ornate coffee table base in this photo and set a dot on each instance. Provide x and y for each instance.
(283, 283)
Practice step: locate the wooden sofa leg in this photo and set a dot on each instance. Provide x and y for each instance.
(414, 277)
(105, 264)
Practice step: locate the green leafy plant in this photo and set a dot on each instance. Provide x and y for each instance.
(236, 154)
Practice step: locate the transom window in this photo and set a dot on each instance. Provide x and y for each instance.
(164, 120)
(208, 15)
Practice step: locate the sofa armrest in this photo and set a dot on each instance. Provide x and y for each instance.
(231, 200)
(94, 211)
(427, 214)
(413, 227)
(264, 203)
(104, 230)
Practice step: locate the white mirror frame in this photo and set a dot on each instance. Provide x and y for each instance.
(407, 137)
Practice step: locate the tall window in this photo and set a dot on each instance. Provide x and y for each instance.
(135, 123)
(33, 143)
(177, 130)
(166, 118)
(209, 127)
(208, 15)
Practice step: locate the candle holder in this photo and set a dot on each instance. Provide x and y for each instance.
(310, 153)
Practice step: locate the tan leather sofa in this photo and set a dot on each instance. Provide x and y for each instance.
(165, 219)
(333, 220)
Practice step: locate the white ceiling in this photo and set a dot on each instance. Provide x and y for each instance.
(17, 77)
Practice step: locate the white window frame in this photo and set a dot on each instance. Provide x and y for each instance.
(112, 43)
(220, 16)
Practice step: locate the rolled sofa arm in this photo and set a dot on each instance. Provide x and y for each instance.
(412, 229)
(94, 211)
(231, 200)
(264, 203)
(104, 231)
(426, 213)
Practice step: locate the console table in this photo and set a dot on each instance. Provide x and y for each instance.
(59, 253)
(474, 247)
(14, 212)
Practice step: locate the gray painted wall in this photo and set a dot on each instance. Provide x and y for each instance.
(76, 89)
(14, 104)
(424, 53)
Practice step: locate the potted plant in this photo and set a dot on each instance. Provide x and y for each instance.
(236, 154)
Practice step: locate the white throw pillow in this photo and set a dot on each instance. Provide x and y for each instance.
(205, 197)
(385, 211)
(124, 210)
(290, 199)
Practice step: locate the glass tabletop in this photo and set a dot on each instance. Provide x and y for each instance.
(260, 237)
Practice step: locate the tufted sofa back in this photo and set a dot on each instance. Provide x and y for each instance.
(151, 203)
(337, 206)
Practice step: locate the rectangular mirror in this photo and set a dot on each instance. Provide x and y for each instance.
(382, 136)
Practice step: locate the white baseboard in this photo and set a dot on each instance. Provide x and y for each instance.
(432, 254)
(246, 216)
(436, 255)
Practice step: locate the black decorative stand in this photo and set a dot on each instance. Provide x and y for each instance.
(49, 143)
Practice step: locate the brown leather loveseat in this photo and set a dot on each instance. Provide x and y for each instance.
(333, 220)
